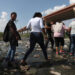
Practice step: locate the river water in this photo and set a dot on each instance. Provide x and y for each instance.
(58, 65)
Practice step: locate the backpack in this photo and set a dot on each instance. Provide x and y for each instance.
(6, 34)
(58, 27)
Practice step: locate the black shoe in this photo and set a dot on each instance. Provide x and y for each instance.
(23, 63)
(9, 64)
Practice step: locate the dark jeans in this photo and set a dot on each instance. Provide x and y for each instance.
(50, 39)
(11, 53)
(73, 44)
(36, 37)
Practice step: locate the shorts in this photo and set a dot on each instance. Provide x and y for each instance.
(59, 41)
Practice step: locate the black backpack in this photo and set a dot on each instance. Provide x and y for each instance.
(6, 34)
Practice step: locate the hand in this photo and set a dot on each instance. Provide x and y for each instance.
(16, 38)
(46, 37)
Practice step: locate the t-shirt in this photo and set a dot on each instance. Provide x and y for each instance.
(35, 24)
(72, 26)
(61, 33)
(12, 25)
(49, 31)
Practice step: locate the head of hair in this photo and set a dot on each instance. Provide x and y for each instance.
(52, 22)
(37, 14)
(14, 13)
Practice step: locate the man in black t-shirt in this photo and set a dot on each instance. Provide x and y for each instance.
(50, 35)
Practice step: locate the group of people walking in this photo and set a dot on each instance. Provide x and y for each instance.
(52, 31)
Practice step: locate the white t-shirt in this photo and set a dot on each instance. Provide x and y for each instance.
(59, 29)
(72, 26)
(35, 24)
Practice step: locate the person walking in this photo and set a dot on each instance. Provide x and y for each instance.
(58, 29)
(36, 35)
(50, 34)
(12, 36)
(72, 30)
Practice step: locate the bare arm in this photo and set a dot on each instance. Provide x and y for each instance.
(47, 27)
(22, 29)
(69, 29)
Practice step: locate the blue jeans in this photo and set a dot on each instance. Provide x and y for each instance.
(73, 44)
(11, 53)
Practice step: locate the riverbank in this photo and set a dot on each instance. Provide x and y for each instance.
(1, 36)
(58, 65)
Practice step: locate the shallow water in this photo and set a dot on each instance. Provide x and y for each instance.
(58, 65)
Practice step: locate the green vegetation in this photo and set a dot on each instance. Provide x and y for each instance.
(22, 35)
(67, 35)
(25, 35)
(1, 36)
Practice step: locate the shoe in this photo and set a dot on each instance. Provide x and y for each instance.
(70, 54)
(48, 60)
(10, 64)
(52, 47)
(57, 53)
(23, 63)
(13, 64)
(61, 51)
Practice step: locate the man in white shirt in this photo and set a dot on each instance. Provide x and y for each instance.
(72, 29)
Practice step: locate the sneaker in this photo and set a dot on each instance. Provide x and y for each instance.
(57, 53)
(10, 64)
(23, 63)
(61, 51)
(70, 54)
(52, 47)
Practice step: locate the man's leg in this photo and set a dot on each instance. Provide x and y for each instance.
(13, 50)
(8, 54)
(72, 45)
(46, 44)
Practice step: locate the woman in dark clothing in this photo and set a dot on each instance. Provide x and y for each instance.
(50, 35)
